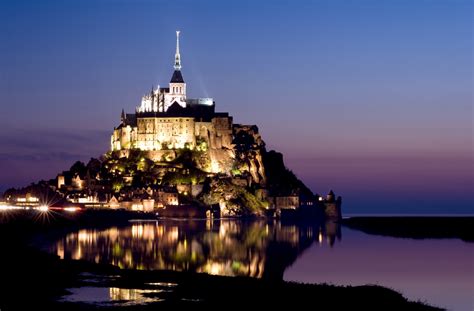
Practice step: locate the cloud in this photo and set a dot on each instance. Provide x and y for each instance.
(28, 155)
(41, 156)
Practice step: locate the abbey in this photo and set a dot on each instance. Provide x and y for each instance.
(178, 156)
(167, 120)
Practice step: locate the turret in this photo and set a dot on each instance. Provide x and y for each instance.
(330, 197)
(332, 206)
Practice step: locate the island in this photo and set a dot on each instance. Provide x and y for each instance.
(177, 157)
(174, 157)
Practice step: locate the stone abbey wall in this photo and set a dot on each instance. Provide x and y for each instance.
(159, 133)
(164, 133)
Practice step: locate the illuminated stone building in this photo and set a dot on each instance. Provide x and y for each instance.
(166, 119)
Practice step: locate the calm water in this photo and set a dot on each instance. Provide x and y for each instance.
(439, 272)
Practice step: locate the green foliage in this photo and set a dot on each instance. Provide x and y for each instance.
(192, 176)
(249, 202)
(167, 157)
(236, 172)
(239, 200)
(201, 144)
(117, 185)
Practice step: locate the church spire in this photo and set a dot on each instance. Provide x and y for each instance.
(123, 117)
(177, 57)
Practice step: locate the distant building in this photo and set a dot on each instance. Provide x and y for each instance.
(167, 197)
(332, 206)
(114, 203)
(77, 182)
(28, 200)
(286, 202)
(61, 181)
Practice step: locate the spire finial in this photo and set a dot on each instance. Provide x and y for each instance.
(177, 57)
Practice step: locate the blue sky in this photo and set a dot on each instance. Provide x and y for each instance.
(366, 97)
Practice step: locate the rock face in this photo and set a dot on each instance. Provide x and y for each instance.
(249, 147)
(256, 176)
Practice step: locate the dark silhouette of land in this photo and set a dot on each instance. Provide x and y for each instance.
(415, 227)
(34, 280)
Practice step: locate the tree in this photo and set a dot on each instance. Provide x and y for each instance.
(93, 167)
(78, 168)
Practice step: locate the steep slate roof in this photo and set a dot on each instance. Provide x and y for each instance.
(177, 77)
(130, 119)
(176, 110)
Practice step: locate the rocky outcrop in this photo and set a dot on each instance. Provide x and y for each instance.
(280, 180)
(249, 148)
(241, 156)
(232, 199)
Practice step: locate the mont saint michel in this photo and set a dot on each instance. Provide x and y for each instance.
(178, 156)
(169, 155)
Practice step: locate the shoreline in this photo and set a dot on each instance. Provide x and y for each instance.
(348, 216)
(43, 278)
(415, 227)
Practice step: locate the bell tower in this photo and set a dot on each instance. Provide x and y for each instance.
(177, 86)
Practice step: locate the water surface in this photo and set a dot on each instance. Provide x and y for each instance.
(439, 272)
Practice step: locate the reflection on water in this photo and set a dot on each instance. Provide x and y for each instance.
(420, 269)
(113, 296)
(219, 247)
(138, 296)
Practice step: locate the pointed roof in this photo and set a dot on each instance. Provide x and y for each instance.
(176, 109)
(123, 116)
(177, 77)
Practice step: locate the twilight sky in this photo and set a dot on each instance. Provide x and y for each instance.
(371, 98)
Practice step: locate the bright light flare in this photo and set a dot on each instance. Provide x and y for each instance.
(43, 208)
(71, 209)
